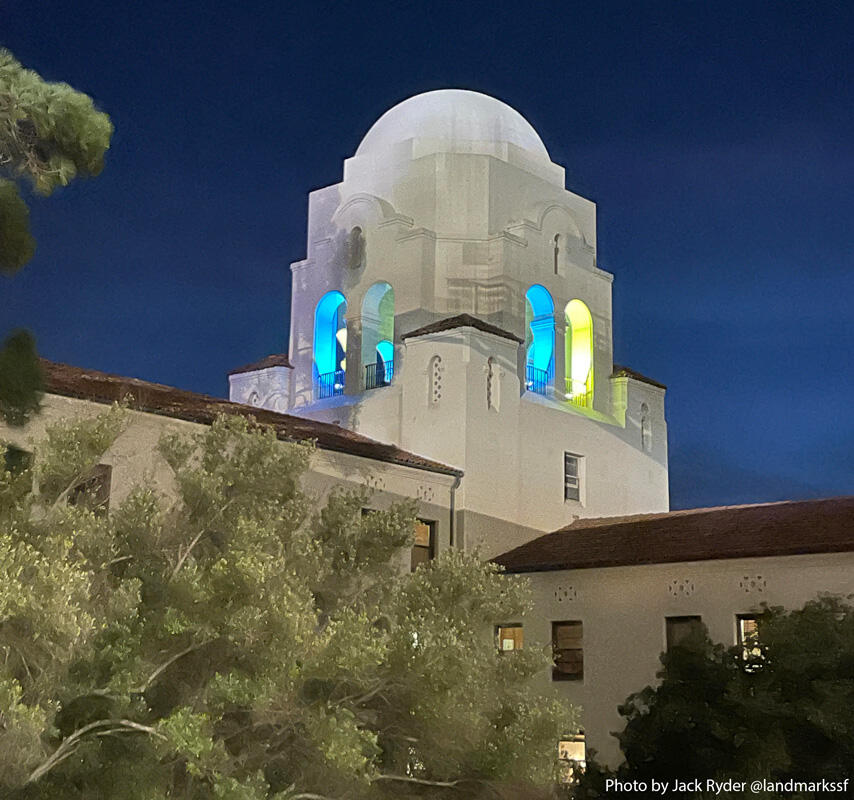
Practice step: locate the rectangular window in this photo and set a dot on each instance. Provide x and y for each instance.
(681, 629)
(567, 649)
(571, 477)
(424, 548)
(747, 630)
(509, 637)
(93, 493)
(573, 752)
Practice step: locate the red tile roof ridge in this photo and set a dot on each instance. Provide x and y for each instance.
(756, 530)
(159, 398)
(597, 522)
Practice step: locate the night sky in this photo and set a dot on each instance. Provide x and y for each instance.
(717, 140)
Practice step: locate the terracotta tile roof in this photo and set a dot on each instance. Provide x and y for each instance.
(461, 321)
(625, 372)
(156, 398)
(699, 534)
(275, 360)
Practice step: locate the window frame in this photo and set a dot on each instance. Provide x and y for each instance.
(568, 478)
(572, 766)
(558, 674)
(516, 626)
(668, 644)
(430, 547)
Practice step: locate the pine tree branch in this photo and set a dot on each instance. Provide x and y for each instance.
(70, 743)
(421, 781)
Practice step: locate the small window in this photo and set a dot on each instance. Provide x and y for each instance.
(16, 460)
(509, 637)
(747, 630)
(572, 751)
(425, 543)
(571, 477)
(93, 493)
(567, 648)
(682, 629)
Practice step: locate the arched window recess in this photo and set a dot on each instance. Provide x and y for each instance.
(378, 335)
(539, 339)
(330, 345)
(579, 354)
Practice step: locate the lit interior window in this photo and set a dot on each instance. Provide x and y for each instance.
(509, 637)
(573, 752)
(423, 549)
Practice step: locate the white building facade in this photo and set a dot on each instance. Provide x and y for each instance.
(450, 303)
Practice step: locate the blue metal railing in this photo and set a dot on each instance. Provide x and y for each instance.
(536, 380)
(379, 374)
(329, 384)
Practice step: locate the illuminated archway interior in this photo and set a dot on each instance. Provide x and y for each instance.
(539, 336)
(579, 353)
(330, 335)
(378, 330)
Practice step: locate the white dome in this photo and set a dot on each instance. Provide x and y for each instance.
(450, 120)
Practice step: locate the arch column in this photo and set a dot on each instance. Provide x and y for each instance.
(353, 377)
(560, 356)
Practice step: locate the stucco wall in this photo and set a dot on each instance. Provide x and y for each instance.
(623, 612)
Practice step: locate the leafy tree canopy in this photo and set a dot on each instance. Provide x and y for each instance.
(49, 134)
(243, 640)
(21, 380)
(781, 708)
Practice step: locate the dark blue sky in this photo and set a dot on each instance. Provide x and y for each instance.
(716, 138)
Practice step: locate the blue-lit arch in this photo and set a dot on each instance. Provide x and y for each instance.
(378, 335)
(330, 339)
(539, 338)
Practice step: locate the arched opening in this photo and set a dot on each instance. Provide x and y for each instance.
(556, 251)
(646, 429)
(579, 354)
(356, 249)
(330, 345)
(539, 339)
(378, 335)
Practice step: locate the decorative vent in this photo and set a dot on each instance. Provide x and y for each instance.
(750, 584)
(375, 482)
(425, 493)
(681, 587)
(434, 374)
(566, 594)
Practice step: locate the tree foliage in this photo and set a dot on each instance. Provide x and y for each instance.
(240, 639)
(21, 380)
(781, 710)
(49, 134)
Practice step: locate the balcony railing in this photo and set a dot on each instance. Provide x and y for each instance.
(582, 399)
(536, 380)
(379, 374)
(329, 384)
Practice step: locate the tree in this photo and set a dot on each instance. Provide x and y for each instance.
(49, 134)
(21, 380)
(243, 641)
(780, 709)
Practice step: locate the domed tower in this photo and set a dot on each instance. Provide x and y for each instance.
(450, 303)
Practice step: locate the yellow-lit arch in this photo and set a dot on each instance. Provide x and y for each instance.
(579, 354)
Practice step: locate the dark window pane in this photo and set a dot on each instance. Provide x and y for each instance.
(681, 629)
(568, 652)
